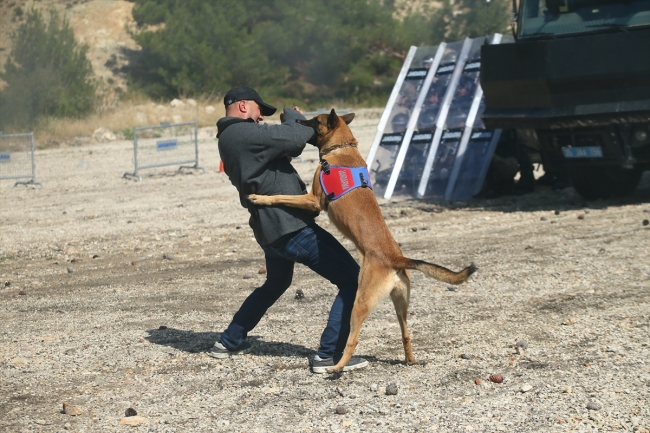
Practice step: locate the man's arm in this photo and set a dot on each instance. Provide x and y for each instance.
(288, 138)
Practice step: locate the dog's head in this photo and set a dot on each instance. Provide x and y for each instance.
(330, 128)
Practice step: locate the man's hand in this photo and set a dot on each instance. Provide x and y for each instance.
(295, 108)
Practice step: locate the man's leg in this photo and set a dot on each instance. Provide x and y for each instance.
(321, 252)
(279, 273)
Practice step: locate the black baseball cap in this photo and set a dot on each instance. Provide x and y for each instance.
(247, 94)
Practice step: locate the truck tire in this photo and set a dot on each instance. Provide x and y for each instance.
(593, 183)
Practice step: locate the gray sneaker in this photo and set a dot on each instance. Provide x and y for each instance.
(319, 365)
(219, 351)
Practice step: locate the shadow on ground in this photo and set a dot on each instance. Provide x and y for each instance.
(543, 198)
(197, 342)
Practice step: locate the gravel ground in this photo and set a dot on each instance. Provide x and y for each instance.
(113, 290)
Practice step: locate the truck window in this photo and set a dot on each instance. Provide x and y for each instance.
(544, 18)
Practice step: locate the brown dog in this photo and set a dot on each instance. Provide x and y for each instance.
(357, 215)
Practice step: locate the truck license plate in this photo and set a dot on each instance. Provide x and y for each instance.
(582, 152)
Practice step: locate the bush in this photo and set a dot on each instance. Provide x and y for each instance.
(306, 50)
(127, 133)
(47, 74)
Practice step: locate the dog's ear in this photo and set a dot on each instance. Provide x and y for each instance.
(312, 123)
(332, 120)
(347, 118)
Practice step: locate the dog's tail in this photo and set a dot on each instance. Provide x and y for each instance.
(440, 273)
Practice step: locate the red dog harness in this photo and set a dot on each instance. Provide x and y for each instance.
(338, 181)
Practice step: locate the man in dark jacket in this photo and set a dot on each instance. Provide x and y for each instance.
(257, 160)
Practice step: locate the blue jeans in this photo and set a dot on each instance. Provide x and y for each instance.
(317, 249)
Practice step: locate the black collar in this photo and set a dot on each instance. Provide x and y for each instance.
(339, 146)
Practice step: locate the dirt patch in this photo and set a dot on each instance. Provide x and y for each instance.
(112, 290)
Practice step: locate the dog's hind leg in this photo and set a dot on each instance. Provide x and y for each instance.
(401, 295)
(374, 284)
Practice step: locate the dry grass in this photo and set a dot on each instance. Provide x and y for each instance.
(125, 115)
(138, 110)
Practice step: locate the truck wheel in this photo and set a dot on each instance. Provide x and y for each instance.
(593, 183)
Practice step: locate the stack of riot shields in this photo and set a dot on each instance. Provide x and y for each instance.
(430, 140)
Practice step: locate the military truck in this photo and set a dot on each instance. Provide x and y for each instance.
(578, 74)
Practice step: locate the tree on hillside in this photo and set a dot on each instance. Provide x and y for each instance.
(300, 48)
(47, 74)
(480, 18)
(453, 21)
(305, 49)
(200, 49)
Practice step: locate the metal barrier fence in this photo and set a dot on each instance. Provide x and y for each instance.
(17, 158)
(164, 145)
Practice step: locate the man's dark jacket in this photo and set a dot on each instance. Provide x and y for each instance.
(257, 160)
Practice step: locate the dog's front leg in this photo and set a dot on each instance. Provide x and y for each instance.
(304, 201)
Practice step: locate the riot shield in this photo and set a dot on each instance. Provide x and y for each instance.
(474, 164)
(476, 147)
(430, 140)
(375, 165)
(408, 175)
(409, 165)
(441, 153)
(391, 132)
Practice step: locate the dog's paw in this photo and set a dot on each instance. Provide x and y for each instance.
(258, 199)
(335, 371)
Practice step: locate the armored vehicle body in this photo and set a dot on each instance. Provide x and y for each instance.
(578, 74)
